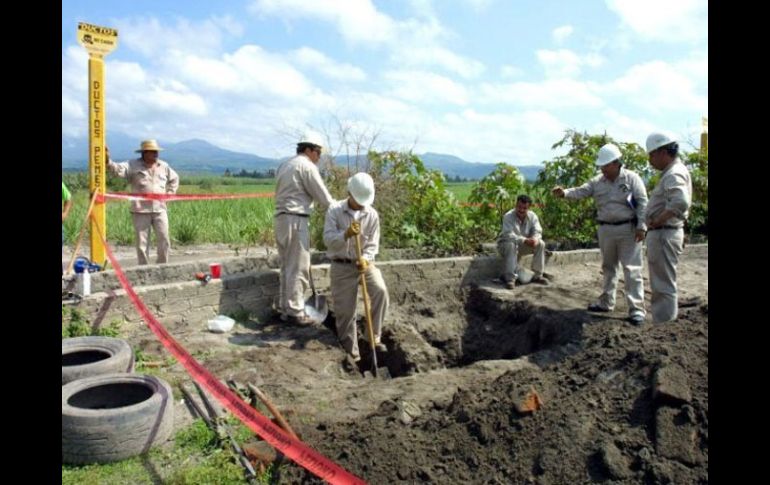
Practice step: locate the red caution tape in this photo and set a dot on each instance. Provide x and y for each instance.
(170, 197)
(294, 449)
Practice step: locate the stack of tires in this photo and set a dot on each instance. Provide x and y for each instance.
(108, 413)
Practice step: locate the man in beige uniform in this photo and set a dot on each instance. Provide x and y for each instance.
(620, 199)
(345, 219)
(298, 184)
(521, 234)
(148, 175)
(670, 202)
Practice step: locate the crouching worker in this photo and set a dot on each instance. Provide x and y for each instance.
(521, 234)
(345, 221)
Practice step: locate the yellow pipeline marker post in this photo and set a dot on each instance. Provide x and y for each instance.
(98, 41)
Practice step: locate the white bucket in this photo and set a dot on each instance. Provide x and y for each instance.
(221, 324)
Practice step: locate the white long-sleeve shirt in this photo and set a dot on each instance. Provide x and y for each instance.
(297, 184)
(517, 230)
(159, 178)
(338, 219)
(673, 192)
(612, 197)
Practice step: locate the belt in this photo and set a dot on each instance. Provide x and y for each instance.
(665, 227)
(343, 260)
(292, 214)
(618, 223)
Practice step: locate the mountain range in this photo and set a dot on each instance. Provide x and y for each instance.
(201, 156)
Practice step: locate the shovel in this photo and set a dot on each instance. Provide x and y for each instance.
(382, 372)
(316, 307)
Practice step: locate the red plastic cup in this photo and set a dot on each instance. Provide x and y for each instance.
(216, 270)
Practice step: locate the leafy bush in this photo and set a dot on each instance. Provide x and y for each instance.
(494, 195)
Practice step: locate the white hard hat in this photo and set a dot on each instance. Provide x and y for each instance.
(657, 140)
(607, 154)
(361, 187)
(312, 137)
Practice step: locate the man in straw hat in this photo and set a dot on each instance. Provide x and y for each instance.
(148, 175)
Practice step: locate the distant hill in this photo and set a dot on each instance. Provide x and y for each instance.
(201, 156)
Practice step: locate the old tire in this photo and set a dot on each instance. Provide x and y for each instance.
(94, 356)
(113, 417)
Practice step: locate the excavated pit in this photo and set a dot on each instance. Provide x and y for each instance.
(476, 327)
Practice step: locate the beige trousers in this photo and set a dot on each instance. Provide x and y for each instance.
(663, 249)
(618, 245)
(345, 282)
(292, 235)
(510, 252)
(143, 222)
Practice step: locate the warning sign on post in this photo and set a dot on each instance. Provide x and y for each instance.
(97, 40)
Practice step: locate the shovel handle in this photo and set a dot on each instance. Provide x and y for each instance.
(367, 308)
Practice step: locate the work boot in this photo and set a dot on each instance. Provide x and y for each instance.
(636, 319)
(350, 363)
(302, 320)
(539, 279)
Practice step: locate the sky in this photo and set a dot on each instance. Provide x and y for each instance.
(484, 80)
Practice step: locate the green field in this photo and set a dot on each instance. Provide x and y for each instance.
(238, 222)
(242, 221)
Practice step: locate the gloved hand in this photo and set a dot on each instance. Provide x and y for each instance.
(362, 264)
(354, 229)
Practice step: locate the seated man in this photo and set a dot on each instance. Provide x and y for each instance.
(521, 234)
(345, 221)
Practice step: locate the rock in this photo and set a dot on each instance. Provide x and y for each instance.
(407, 412)
(526, 400)
(671, 386)
(674, 435)
(613, 461)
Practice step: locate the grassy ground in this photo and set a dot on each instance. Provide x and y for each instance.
(242, 221)
(194, 458)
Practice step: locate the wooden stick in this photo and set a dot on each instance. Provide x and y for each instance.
(277, 414)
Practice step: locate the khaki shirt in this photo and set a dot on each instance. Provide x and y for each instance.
(338, 219)
(612, 197)
(298, 184)
(673, 192)
(160, 178)
(516, 230)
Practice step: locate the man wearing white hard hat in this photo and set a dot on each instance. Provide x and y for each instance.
(298, 185)
(667, 211)
(148, 175)
(344, 220)
(621, 199)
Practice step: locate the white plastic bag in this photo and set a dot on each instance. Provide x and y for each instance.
(221, 324)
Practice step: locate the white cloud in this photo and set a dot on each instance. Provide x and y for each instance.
(664, 20)
(560, 34)
(356, 20)
(656, 86)
(549, 94)
(509, 71)
(320, 62)
(564, 63)
(438, 56)
(154, 39)
(520, 138)
(426, 87)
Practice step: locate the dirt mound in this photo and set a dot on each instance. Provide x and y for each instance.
(630, 405)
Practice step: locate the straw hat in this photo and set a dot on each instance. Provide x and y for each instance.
(149, 145)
